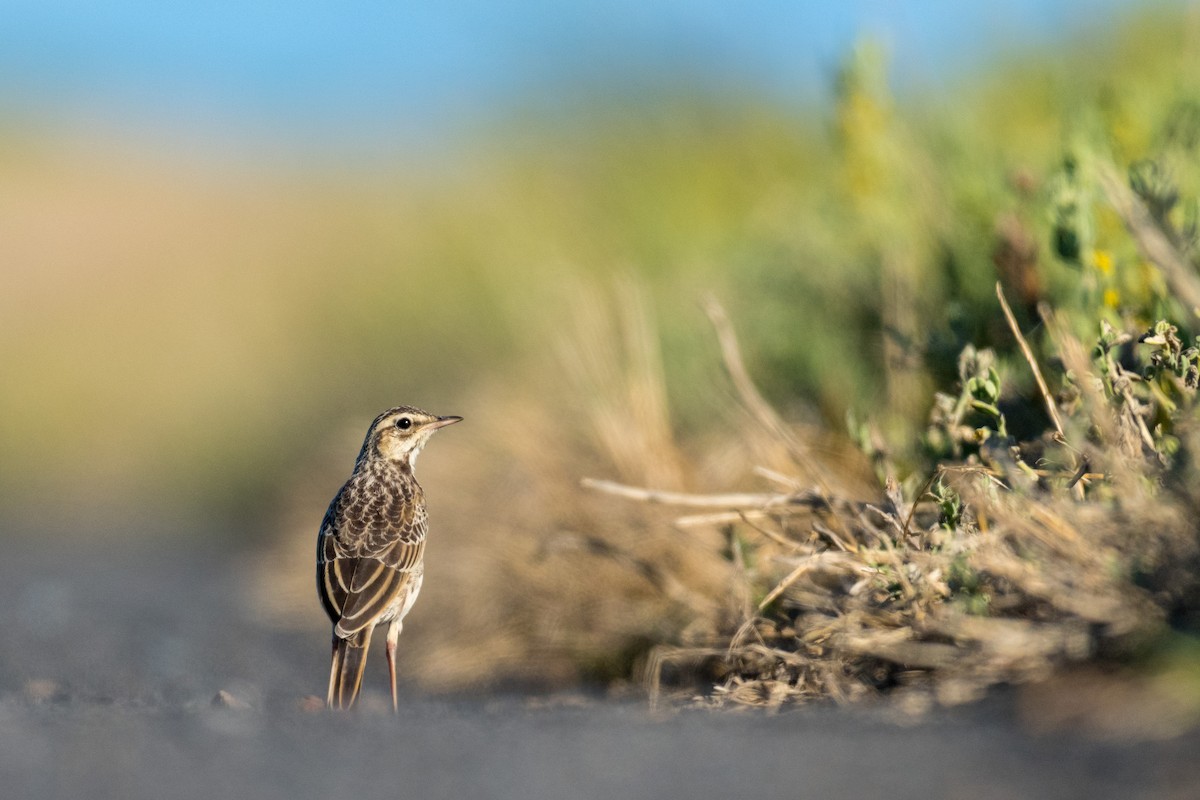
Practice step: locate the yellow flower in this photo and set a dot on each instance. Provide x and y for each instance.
(1111, 298)
(1103, 261)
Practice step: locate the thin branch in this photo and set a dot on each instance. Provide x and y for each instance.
(661, 655)
(783, 585)
(739, 636)
(829, 534)
(770, 534)
(1033, 365)
(912, 510)
(755, 501)
(733, 500)
(787, 481)
(759, 408)
(717, 518)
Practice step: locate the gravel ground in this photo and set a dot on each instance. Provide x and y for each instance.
(114, 654)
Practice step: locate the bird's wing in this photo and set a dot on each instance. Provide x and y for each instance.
(362, 589)
(366, 555)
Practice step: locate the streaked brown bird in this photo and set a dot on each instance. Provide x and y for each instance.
(371, 545)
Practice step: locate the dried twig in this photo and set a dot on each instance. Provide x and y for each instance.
(733, 500)
(783, 585)
(770, 534)
(752, 501)
(1074, 486)
(718, 518)
(759, 408)
(662, 655)
(1051, 409)
(912, 509)
(787, 481)
(832, 536)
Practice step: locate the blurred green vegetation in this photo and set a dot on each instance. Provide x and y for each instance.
(177, 335)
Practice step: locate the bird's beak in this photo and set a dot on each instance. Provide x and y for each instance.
(442, 422)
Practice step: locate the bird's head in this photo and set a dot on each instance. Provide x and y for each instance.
(399, 433)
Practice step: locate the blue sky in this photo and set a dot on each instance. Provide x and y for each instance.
(343, 72)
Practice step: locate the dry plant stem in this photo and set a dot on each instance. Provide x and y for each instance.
(739, 637)
(1033, 365)
(782, 655)
(1153, 242)
(1076, 487)
(912, 510)
(746, 500)
(754, 402)
(612, 356)
(787, 481)
(757, 405)
(783, 585)
(833, 537)
(974, 469)
(1138, 421)
(744, 506)
(735, 500)
(661, 655)
(718, 518)
(772, 535)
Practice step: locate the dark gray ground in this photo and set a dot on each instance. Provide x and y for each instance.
(112, 655)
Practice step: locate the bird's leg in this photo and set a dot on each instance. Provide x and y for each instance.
(392, 635)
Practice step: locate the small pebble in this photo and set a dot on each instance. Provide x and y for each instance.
(311, 704)
(223, 699)
(42, 690)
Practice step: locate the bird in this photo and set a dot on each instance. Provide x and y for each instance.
(371, 546)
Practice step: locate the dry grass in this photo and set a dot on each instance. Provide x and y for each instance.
(994, 572)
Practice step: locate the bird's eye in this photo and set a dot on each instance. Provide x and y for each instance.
(404, 423)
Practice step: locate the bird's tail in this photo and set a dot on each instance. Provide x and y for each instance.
(346, 672)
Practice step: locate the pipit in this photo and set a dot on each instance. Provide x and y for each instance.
(370, 548)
